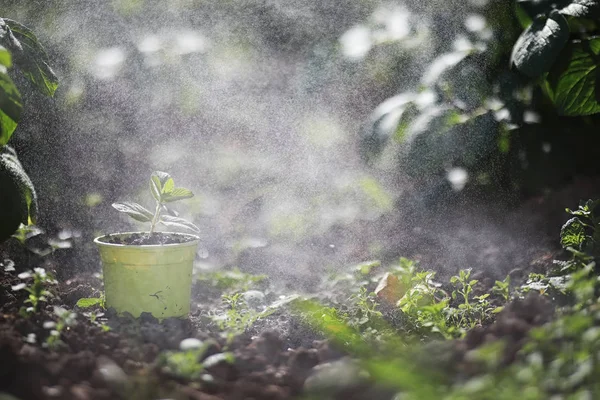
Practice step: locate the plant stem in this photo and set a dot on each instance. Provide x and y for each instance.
(155, 218)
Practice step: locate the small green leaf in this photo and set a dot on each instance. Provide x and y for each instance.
(169, 220)
(540, 44)
(10, 107)
(134, 210)
(168, 186)
(573, 79)
(572, 233)
(582, 8)
(88, 302)
(157, 181)
(31, 58)
(178, 194)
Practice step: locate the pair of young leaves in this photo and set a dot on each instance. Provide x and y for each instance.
(164, 191)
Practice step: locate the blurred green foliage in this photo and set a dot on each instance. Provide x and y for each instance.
(558, 359)
(478, 105)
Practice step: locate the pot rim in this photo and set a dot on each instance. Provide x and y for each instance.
(194, 242)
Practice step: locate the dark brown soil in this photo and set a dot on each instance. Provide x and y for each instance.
(141, 239)
(264, 367)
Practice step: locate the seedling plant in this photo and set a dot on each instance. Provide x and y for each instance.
(164, 192)
(38, 289)
(238, 316)
(65, 319)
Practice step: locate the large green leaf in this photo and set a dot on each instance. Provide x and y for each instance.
(10, 107)
(177, 194)
(30, 57)
(540, 44)
(17, 189)
(582, 8)
(573, 79)
(169, 220)
(134, 210)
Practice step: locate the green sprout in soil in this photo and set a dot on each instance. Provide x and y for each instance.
(164, 191)
(65, 319)
(183, 364)
(502, 289)
(239, 316)
(580, 236)
(37, 289)
(186, 364)
(97, 319)
(472, 310)
(88, 302)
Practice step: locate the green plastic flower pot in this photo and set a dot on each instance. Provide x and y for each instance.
(148, 278)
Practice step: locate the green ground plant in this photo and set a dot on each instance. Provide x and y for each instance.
(37, 284)
(64, 319)
(164, 191)
(237, 316)
(186, 364)
(96, 318)
(502, 289)
(472, 310)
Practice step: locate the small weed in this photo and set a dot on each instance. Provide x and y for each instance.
(65, 319)
(238, 316)
(580, 236)
(96, 318)
(183, 364)
(471, 311)
(502, 288)
(37, 289)
(365, 308)
(186, 364)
